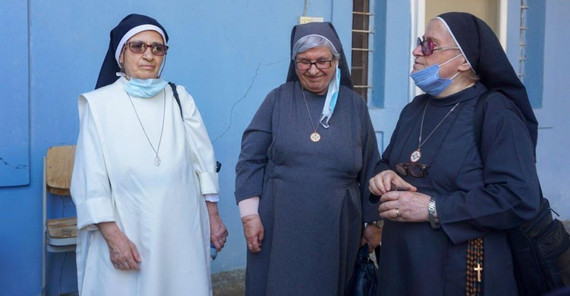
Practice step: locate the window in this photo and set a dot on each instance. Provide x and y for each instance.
(362, 40)
(531, 55)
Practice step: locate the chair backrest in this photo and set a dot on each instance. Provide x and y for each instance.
(59, 165)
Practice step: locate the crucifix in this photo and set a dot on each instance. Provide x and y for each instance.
(478, 269)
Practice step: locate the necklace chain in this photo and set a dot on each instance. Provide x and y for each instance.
(315, 137)
(420, 143)
(156, 157)
(417, 154)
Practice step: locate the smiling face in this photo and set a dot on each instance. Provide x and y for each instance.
(142, 65)
(314, 79)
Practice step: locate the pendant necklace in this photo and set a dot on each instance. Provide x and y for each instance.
(156, 157)
(315, 137)
(417, 154)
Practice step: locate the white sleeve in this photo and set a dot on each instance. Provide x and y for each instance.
(199, 144)
(212, 197)
(90, 187)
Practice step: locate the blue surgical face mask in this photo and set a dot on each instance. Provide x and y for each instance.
(144, 88)
(428, 79)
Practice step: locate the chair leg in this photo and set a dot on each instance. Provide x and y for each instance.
(44, 206)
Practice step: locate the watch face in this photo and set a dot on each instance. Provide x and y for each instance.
(431, 207)
(379, 223)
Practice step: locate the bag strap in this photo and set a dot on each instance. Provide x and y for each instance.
(175, 93)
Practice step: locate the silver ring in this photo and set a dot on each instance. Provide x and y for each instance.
(397, 213)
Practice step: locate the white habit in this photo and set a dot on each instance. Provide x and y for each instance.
(161, 209)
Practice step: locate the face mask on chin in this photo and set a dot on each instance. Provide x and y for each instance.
(428, 79)
(144, 88)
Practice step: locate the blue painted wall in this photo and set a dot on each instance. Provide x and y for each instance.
(554, 126)
(534, 63)
(229, 55)
(391, 65)
(14, 146)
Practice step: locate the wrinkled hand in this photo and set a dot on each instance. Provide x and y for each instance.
(253, 232)
(404, 206)
(387, 181)
(372, 236)
(123, 252)
(218, 231)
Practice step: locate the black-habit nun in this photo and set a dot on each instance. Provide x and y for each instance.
(486, 57)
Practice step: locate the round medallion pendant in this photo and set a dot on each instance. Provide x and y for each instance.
(315, 137)
(416, 155)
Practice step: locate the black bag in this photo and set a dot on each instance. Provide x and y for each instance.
(541, 246)
(365, 277)
(541, 253)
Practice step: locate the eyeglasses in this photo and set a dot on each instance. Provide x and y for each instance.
(320, 64)
(139, 47)
(428, 47)
(414, 169)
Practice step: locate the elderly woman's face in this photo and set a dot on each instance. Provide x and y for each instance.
(314, 79)
(142, 65)
(445, 49)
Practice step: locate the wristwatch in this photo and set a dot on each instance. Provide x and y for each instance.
(433, 220)
(379, 223)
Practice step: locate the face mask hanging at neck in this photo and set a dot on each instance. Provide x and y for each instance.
(144, 88)
(428, 79)
(330, 100)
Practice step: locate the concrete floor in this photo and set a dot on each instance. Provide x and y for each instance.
(229, 283)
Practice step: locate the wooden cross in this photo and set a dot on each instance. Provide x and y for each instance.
(478, 269)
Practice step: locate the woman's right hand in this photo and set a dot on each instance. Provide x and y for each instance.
(123, 252)
(387, 181)
(253, 232)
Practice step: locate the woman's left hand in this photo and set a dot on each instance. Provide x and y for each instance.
(404, 206)
(218, 231)
(372, 236)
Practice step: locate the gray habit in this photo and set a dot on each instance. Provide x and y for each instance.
(314, 196)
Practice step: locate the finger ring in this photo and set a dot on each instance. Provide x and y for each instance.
(397, 213)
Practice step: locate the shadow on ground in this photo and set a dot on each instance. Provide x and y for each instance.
(229, 283)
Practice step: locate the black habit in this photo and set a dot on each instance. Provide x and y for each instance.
(478, 193)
